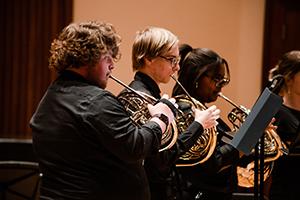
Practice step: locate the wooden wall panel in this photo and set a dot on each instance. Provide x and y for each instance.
(281, 32)
(28, 28)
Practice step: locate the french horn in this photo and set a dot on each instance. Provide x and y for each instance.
(135, 103)
(206, 143)
(273, 147)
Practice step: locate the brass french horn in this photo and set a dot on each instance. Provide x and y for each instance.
(206, 143)
(273, 147)
(135, 103)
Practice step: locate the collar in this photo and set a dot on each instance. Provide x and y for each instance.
(72, 76)
(149, 82)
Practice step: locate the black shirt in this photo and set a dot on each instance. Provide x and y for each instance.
(286, 175)
(216, 178)
(87, 146)
(159, 167)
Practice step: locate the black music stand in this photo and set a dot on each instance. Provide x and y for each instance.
(252, 130)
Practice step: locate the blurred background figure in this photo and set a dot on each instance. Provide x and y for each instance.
(286, 175)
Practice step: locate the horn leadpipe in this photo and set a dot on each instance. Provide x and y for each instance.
(241, 108)
(185, 91)
(129, 88)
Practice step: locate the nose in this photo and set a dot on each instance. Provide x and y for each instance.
(176, 68)
(112, 66)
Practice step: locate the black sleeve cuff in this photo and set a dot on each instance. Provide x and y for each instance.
(170, 105)
(189, 137)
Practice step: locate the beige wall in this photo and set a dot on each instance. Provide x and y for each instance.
(233, 28)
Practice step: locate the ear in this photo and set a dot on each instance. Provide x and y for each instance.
(147, 61)
(289, 81)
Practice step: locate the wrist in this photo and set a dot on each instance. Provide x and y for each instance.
(162, 117)
(170, 105)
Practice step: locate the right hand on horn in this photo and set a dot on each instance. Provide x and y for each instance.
(271, 126)
(163, 108)
(207, 118)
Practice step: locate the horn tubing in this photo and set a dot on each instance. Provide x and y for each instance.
(186, 92)
(136, 92)
(129, 88)
(230, 101)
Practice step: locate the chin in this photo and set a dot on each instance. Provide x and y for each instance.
(102, 85)
(167, 80)
(212, 99)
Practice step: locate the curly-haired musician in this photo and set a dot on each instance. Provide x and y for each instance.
(87, 145)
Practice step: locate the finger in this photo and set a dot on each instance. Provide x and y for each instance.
(172, 100)
(212, 108)
(215, 123)
(193, 109)
(150, 106)
(176, 105)
(165, 96)
(217, 112)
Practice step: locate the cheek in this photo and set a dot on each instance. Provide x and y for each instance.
(292, 85)
(296, 86)
(297, 80)
(102, 71)
(163, 73)
(166, 75)
(206, 92)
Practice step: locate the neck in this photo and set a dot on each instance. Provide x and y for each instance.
(148, 72)
(81, 70)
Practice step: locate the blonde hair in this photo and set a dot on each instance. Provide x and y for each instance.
(150, 43)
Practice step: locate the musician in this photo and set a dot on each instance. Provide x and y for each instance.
(285, 175)
(155, 57)
(203, 73)
(87, 145)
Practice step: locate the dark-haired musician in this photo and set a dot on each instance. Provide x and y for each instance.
(155, 57)
(203, 73)
(87, 145)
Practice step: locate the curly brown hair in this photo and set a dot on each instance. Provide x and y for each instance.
(82, 44)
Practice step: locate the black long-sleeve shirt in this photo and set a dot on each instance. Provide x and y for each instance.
(216, 177)
(285, 174)
(87, 146)
(159, 167)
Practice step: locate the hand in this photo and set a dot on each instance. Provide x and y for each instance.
(271, 127)
(170, 102)
(163, 108)
(207, 118)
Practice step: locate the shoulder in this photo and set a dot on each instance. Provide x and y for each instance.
(103, 96)
(285, 114)
(286, 121)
